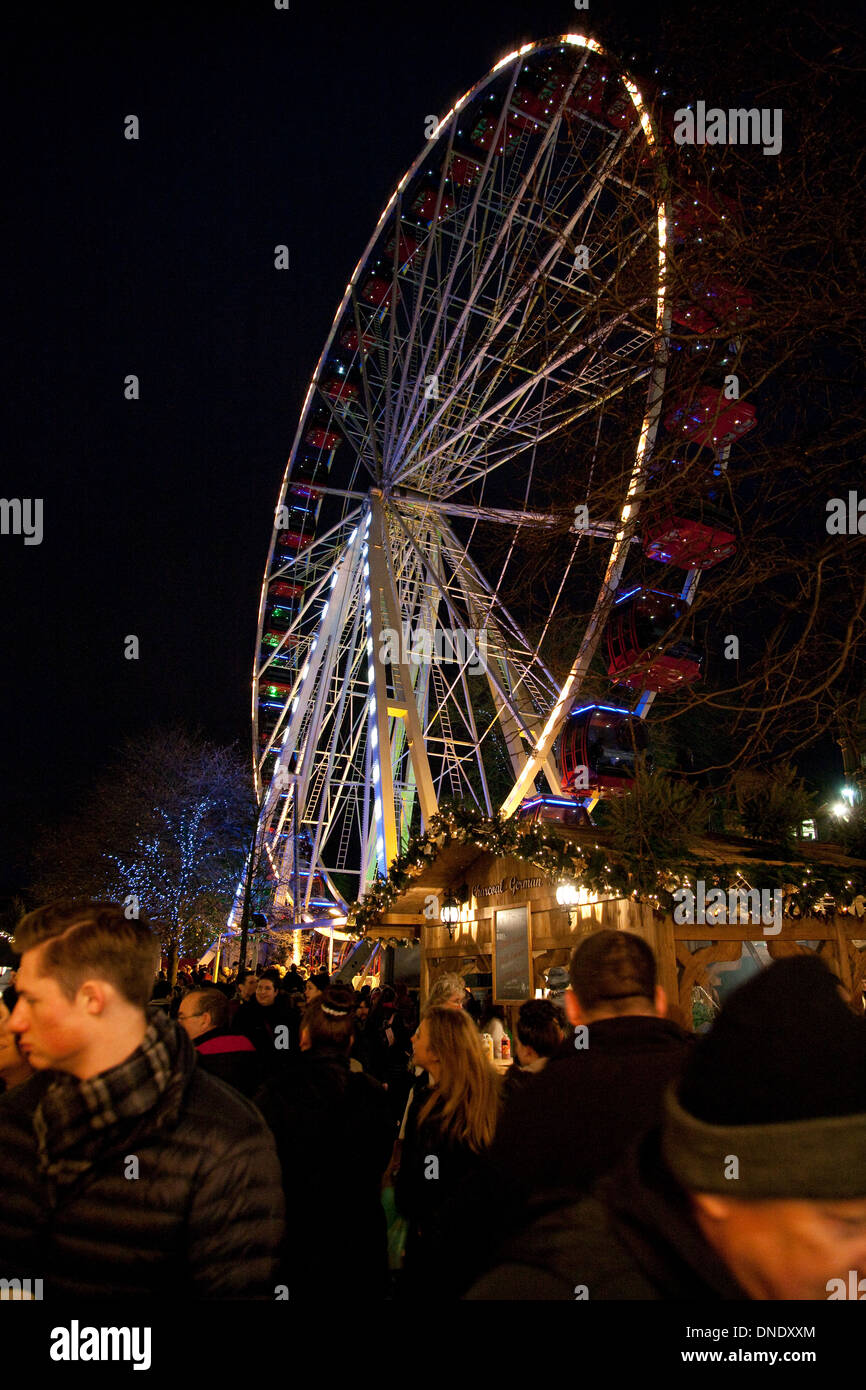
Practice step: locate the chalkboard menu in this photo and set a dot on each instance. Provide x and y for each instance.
(512, 956)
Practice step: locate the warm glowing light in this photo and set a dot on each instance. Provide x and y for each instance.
(581, 42)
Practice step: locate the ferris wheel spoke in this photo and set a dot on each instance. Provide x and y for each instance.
(519, 394)
(483, 616)
(493, 264)
(478, 466)
(445, 296)
(498, 324)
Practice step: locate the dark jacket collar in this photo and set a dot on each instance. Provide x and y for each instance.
(653, 1218)
(626, 1032)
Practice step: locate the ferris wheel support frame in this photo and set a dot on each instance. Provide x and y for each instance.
(380, 594)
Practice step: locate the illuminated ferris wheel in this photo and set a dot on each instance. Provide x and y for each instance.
(512, 296)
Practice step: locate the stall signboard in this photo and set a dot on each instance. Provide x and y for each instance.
(512, 956)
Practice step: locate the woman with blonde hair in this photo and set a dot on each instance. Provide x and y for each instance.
(443, 1167)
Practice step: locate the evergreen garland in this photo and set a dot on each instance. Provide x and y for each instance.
(596, 870)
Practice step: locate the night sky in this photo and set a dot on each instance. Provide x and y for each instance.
(155, 257)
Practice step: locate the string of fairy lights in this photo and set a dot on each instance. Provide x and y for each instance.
(601, 873)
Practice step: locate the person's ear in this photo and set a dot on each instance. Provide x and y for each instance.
(92, 996)
(661, 1002)
(572, 1007)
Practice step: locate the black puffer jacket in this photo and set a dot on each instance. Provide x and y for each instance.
(203, 1218)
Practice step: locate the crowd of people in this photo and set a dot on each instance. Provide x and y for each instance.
(263, 1136)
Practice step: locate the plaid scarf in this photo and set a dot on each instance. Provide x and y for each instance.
(74, 1119)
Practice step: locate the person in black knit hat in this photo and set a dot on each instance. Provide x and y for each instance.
(754, 1184)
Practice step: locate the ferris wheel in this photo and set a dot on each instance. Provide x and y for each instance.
(506, 322)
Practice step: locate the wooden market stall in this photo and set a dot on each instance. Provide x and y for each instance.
(510, 924)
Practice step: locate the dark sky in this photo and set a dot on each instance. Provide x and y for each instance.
(155, 257)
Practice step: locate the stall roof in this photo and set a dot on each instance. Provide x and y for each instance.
(454, 862)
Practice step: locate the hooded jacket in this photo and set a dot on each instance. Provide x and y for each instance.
(197, 1214)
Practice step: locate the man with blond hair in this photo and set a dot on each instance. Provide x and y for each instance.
(126, 1170)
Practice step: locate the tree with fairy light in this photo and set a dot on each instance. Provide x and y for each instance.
(165, 830)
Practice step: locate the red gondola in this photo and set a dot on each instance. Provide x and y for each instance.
(700, 210)
(484, 133)
(280, 617)
(620, 109)
(553, 810)
(273, 689)
(303, 487)
(463, 171)
(424, 205)
(689, 544)
(535, 99)
(339, 389)
(603, 740)
(376, 290)
(711, 305)
(708, 418)
(407, 249)
(291, 540)
(280, 588)
(276, 636)
(691, 532)
(590, 90)
(320, 438)
(636, 634)
(350, 340)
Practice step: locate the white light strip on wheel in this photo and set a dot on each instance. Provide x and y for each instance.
(374, 738)
(581, 41)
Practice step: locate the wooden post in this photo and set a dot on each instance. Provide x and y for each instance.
(658, 931)
(842, 956)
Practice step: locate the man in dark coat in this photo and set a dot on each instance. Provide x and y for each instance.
(224, 1052)
(754, 1184)
(605, 1085)
(126, 1170)
(293, 980)
(333, 1127)
(270, 1022)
